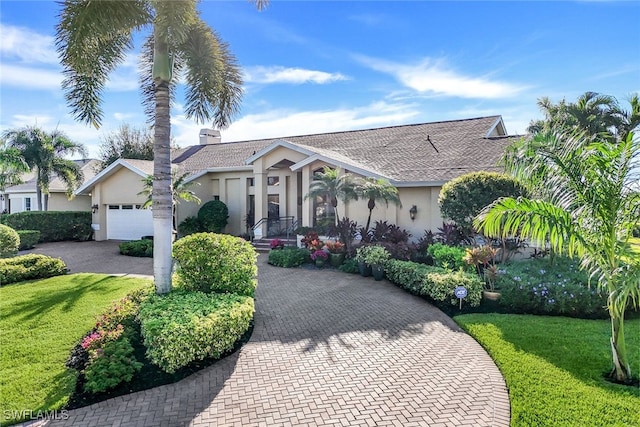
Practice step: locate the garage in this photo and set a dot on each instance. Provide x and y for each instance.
(128, 222)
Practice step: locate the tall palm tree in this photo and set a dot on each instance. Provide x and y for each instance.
(335, 185)
(587, 210)
(180, 190)
(375, 189)
(93, 38)
(45, 153)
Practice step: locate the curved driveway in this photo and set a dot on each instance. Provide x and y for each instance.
(329, 348)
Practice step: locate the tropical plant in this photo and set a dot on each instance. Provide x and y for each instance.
(180, 190)
(377, 189)
(45, 153)
(12, 166)
(93, 38)
(126, 143)
(585, 209)
(334, 185)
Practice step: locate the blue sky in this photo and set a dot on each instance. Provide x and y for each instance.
(319, 66)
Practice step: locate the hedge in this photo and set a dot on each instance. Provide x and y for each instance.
(181, 327)
(137, 248)
(28, 238)
(54, 226)
(288, 257)
(29, 267)
(434, 282)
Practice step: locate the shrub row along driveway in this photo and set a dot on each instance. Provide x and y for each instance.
(329, 349)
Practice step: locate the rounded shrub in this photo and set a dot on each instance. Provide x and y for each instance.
(462, 198)
(221, 263)
(137, 248)
(213, 216)
(9, 242)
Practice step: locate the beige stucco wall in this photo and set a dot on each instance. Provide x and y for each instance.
(60, 202)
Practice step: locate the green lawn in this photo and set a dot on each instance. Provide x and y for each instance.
(554, 368)
(40, 322)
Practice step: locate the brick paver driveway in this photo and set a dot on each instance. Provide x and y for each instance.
(329, 349)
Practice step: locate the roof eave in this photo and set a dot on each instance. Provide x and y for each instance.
(279, 143)
(108, 171)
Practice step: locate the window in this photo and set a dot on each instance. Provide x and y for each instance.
(114, 206)
(27, 203)
(273, 180)
(251, 182)
(216, 197)
(128, 207)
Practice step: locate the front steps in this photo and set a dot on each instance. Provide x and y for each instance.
(264, 244)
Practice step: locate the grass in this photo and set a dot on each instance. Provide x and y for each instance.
(554, 368)
(41, 321)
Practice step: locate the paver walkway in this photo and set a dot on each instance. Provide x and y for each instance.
(329, 349)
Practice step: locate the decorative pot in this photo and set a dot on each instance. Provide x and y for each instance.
(377, 271)
(364, 269)
(336, 259)
(491, 295)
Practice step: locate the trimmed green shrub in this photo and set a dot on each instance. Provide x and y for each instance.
(9, 242)
(115, 364)
(28, 238)
(349, 266)
(435, 283)
(288, 257)
(138, 248)
(462, 198)
(181, 327)
(209, 262)
(444, 256)
(54, 226)
(190, 225)
(541, 286)
(213, 216)
(29, 267)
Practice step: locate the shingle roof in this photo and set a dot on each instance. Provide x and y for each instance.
(401, 153)
(56, 185)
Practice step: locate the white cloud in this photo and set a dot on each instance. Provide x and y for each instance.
(29, 78)
(27, 46)
(434, 77)
(123, 117)
(282, 123)
(277, 74)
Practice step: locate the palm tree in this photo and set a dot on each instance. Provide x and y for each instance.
(587, 211)
(93, 38)
(45, 152)
(335, 185)
(12, 166)
(180, 190)
(377, 189)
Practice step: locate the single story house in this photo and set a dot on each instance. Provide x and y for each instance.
(23, 197)
(268, 179)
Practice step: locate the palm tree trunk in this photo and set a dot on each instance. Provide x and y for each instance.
(621, 370)
(39, 190)
(369, 219)
(162, 203)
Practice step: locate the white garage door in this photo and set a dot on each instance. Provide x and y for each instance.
(128, 222)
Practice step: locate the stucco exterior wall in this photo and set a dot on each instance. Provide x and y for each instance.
(60, 202)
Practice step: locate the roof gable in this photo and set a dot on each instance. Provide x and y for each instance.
(140, 167)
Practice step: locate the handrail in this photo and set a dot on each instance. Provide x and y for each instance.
(267, 220)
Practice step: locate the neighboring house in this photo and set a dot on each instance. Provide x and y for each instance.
(269, 178)
(22, 197)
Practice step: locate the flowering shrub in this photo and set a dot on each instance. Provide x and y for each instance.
(319, 254)
(311, 241)
(543, 287)
(276, 244)
(334, 247)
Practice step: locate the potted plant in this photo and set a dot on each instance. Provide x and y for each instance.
(319, 257)
(376, 257)
(363, 267)
(336, 252)
(482, 257)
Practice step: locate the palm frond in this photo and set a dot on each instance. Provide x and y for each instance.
(213, 78)
(92, 38)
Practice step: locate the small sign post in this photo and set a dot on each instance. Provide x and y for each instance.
(460, 292)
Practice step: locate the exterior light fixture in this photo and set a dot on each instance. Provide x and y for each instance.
(413, 211)
(94, 208)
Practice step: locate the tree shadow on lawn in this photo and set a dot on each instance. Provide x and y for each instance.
(325, 307)
(46, 299)
(568, 344)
